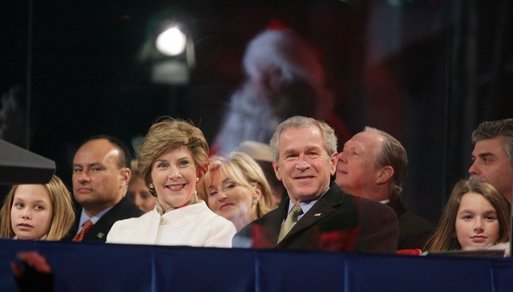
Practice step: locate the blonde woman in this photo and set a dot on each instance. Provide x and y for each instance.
(235, 187)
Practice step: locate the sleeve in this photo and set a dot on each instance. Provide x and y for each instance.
(221, 234)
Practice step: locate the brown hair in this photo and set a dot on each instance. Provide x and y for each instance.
(444, 237)
(171, 134)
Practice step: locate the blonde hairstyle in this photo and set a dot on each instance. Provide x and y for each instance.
(242, 170)
(62, 217)
(444, 237)
(171, 134)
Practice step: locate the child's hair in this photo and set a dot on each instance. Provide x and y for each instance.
(444, 237)
(62, 217)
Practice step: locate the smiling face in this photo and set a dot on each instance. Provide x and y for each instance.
(231, 200)
(303, 164)
(477, 226)
(174, 176)
(31, 212)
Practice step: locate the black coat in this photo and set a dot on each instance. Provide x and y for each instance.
(414, 231)
(122, 210)
(337, 222)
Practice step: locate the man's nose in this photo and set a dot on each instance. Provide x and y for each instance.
(473, 169)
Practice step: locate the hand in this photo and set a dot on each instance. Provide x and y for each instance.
(32, 272)
(33, 260)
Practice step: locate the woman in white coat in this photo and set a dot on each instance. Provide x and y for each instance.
(172, 159)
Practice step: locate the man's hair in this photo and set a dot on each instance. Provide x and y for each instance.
(493, 129)
(392, 153)
(125, 154)
(328, 134)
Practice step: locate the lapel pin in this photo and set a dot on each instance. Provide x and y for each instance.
(317, 214)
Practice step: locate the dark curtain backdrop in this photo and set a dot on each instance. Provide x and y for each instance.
(425, 71)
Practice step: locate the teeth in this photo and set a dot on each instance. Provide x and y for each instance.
(175, 187)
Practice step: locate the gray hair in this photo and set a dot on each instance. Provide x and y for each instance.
(328, 134)
(392, 153)
(493, 129)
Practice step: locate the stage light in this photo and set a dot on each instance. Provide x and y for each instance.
(171, 42)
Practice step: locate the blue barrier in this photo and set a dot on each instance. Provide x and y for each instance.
(158, 268)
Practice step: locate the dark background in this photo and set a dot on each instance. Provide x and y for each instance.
(426, 71)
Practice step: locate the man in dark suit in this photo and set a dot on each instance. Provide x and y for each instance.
(373, 165)
(100, 179)
(315, 215)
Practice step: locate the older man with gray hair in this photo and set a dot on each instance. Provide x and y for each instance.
(373, 165)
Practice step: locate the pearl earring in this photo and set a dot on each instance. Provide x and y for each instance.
(151, 186)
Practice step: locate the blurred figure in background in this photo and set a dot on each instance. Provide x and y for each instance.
(138, 191)
(263, 155)
(283, 78)
(235, 187)
(13, 115)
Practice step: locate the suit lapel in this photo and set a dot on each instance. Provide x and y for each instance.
(323, 208)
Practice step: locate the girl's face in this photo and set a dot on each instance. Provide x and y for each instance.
(174, 175)
(31, 212)
(477, 226)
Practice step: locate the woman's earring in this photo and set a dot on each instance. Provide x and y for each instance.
(151, 186)
(197, 179)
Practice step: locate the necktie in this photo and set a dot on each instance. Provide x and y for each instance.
(290, 221)
(85, 228)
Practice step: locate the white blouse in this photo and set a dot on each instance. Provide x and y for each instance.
(192, 225)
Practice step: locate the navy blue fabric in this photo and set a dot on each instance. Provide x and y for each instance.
(154, 268)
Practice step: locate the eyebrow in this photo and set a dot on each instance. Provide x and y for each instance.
(486, 154)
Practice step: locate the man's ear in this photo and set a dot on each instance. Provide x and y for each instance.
(334, 161)
(277, 170)
(125, 174)
(384, 174)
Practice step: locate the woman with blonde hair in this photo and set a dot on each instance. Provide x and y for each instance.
(172, 158)
(476, 216)
(37, 211)
(235, 187)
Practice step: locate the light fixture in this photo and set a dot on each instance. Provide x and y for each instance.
(171, 41)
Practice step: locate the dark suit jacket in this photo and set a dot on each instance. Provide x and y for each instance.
(414, 231)
(337, 222)
(122, 210)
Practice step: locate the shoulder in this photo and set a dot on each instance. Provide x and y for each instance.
(127, 206)
(135, 221)
(209, 218)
